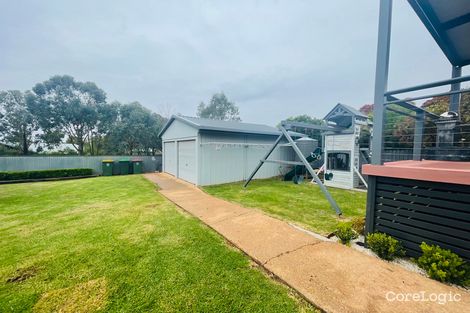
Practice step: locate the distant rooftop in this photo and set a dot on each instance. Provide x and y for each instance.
(343, 108)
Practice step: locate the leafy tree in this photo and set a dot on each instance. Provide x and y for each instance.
(7, 150)
(18, 127)
(439, 105)
(304, 118)
(66, 108)
(152, 142)
(219, 108)
(107, 117)
(367, 109)
(136, 130)
(398, 128)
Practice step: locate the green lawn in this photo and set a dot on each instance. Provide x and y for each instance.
(114, 244)
(302, 204)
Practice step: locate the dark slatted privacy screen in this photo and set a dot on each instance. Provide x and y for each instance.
(416, 211)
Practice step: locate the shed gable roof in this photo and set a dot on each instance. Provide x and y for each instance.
(218, 125)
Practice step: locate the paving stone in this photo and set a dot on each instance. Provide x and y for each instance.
(340, 279)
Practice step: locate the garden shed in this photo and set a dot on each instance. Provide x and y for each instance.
(208, 152)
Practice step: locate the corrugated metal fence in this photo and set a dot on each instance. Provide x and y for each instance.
(31, 163)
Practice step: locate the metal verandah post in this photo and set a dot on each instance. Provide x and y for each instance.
(454, 104)
(381, 78)
(262, 160)
(418, 136)
(311, 171)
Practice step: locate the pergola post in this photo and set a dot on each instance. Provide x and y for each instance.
(418, 136)
(381, 78)
(454, 104)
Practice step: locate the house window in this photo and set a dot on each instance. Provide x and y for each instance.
(338, 161)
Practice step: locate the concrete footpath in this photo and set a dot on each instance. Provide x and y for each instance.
(333, 277)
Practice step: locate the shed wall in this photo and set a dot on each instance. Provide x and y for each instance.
(169, 157)
(231, 157)
(176, 132)
(179, 130)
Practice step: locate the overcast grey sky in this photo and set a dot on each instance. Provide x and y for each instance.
(273, 58)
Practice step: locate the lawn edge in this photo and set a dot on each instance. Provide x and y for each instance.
(271, 275)
(280, 218)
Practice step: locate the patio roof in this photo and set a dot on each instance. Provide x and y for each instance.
(449, 24)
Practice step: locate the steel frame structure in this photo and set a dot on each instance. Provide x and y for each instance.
(384, 97)
(303, 160)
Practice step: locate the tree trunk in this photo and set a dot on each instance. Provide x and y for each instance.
(24, 142)
(92, 145)
(80, 146)
(80, 139)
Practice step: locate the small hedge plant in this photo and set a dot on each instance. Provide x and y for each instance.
(444, 265)
(358, 224)
(385, 246)
(345, 233)
(68, 172)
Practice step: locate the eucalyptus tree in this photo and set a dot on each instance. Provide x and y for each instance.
(219, 108)
(66, 108)
(135, 131)
(18, 127)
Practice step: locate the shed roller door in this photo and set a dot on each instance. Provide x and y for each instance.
(187, 160)
(169, 158)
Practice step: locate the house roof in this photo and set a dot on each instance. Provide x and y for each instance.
(344, 115)
(354, 111)
(225, 126)
(449, 23)
(343, 107)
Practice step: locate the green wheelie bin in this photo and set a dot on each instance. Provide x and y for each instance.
(107, 167)
(124, 166)
(137, 165)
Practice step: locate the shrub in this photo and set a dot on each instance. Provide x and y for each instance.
(358, 224)
(345, 233)
(443, 265)
(385, 246)
(68, 172)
